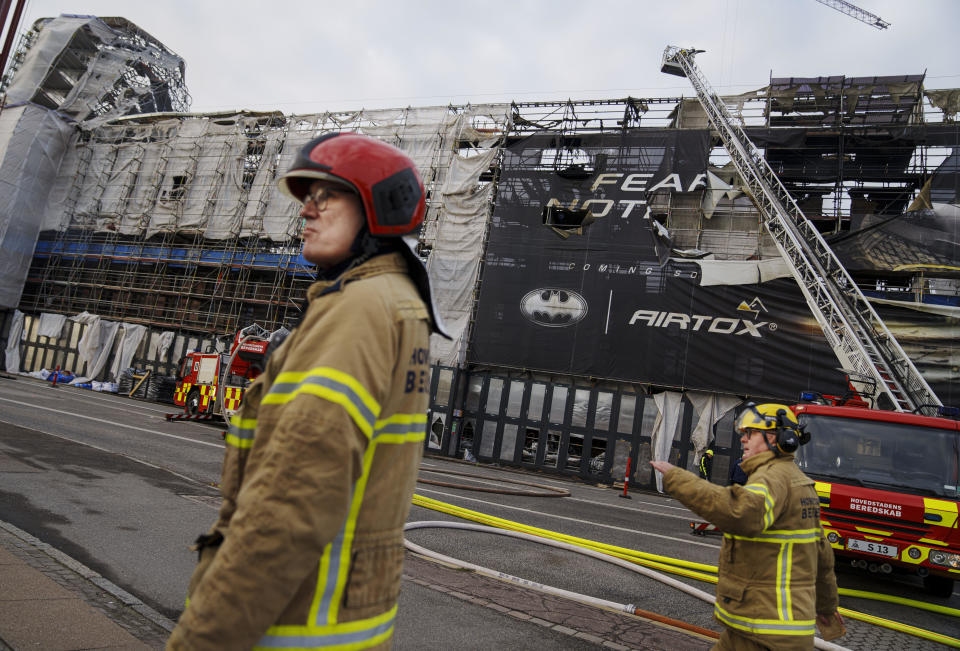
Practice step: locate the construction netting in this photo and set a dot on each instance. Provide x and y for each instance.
(214, 177)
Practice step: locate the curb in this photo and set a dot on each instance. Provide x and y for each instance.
(96, 578)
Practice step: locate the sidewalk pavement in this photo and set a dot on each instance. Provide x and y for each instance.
(50, 602)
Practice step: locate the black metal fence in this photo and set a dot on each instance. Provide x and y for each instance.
(579, 430)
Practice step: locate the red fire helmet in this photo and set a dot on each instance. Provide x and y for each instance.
(385, 178)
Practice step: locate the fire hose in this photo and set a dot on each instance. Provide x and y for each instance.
(631, 559)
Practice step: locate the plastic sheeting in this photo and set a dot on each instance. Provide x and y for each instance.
(179, 167)
(160, 345)
(665, 427)
(11, 353)
(32, 155)
(717, 189)
(741, 272)
(51, 325)
(129, 342)
(711, 407)
(126, 70)
(216, 176)
(95, 346)
(455, 260)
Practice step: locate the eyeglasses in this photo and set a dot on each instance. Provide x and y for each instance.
(321, 196)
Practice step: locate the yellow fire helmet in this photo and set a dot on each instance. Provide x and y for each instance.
(777, 418)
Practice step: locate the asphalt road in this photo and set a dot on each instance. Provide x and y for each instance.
(107, 480)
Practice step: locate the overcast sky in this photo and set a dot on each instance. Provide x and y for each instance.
(310, 56)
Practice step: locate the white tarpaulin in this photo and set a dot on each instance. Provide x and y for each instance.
(160, 345)
(51, 325)
(29, 168)
(717, 189)
(11, 353)
(665, 427)
(741, 272)
(180, 158)
(95, 345)
(711, 407)
(262, 189)
(280, 214)
(129, 342)
(455, 259)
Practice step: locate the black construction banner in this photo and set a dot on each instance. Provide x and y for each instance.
(598, 302)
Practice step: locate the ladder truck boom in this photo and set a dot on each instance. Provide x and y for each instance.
(875, 361)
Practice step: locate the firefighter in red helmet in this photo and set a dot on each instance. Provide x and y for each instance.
(322, 457)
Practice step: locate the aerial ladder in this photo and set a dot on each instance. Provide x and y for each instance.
(875, 363)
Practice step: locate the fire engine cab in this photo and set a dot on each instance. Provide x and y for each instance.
(888, 487)
(213, 383)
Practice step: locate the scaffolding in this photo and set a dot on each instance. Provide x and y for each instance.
(175, 221)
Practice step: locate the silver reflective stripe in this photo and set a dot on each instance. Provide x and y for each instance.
(298, 638)
(241, 431)
(332, 574)
(760, 489)
(784, 565)
(403, 428)
(292, 388)
(781, 536)
(765, 626)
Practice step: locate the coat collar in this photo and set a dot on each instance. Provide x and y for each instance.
(763, 458)
(381, 264)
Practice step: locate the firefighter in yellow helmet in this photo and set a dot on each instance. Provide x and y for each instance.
(321, 459)
(776, 568)
(706, 464)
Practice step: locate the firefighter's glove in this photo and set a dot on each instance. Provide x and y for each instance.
(206, 540)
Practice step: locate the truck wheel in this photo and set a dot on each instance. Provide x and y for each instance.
(938, 586)
(192, 405)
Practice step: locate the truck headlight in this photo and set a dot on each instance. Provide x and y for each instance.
(833, 537)
(945, 558)
(914, 553)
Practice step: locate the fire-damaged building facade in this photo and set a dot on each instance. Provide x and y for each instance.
(610, 289)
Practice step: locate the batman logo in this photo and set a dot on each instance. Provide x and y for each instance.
(554, 308)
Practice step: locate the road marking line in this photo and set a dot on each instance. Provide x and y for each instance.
(110, 422)
(117, 399)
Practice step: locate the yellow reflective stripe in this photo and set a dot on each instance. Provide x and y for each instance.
(330, 384)
(241, 431)
(359, 634)
(782, 536)
(760, 489)
(765, 626)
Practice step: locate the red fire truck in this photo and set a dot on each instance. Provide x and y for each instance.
(888, 487)
(213, 383)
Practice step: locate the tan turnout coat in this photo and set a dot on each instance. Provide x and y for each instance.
(319, 470)
(776, 567)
